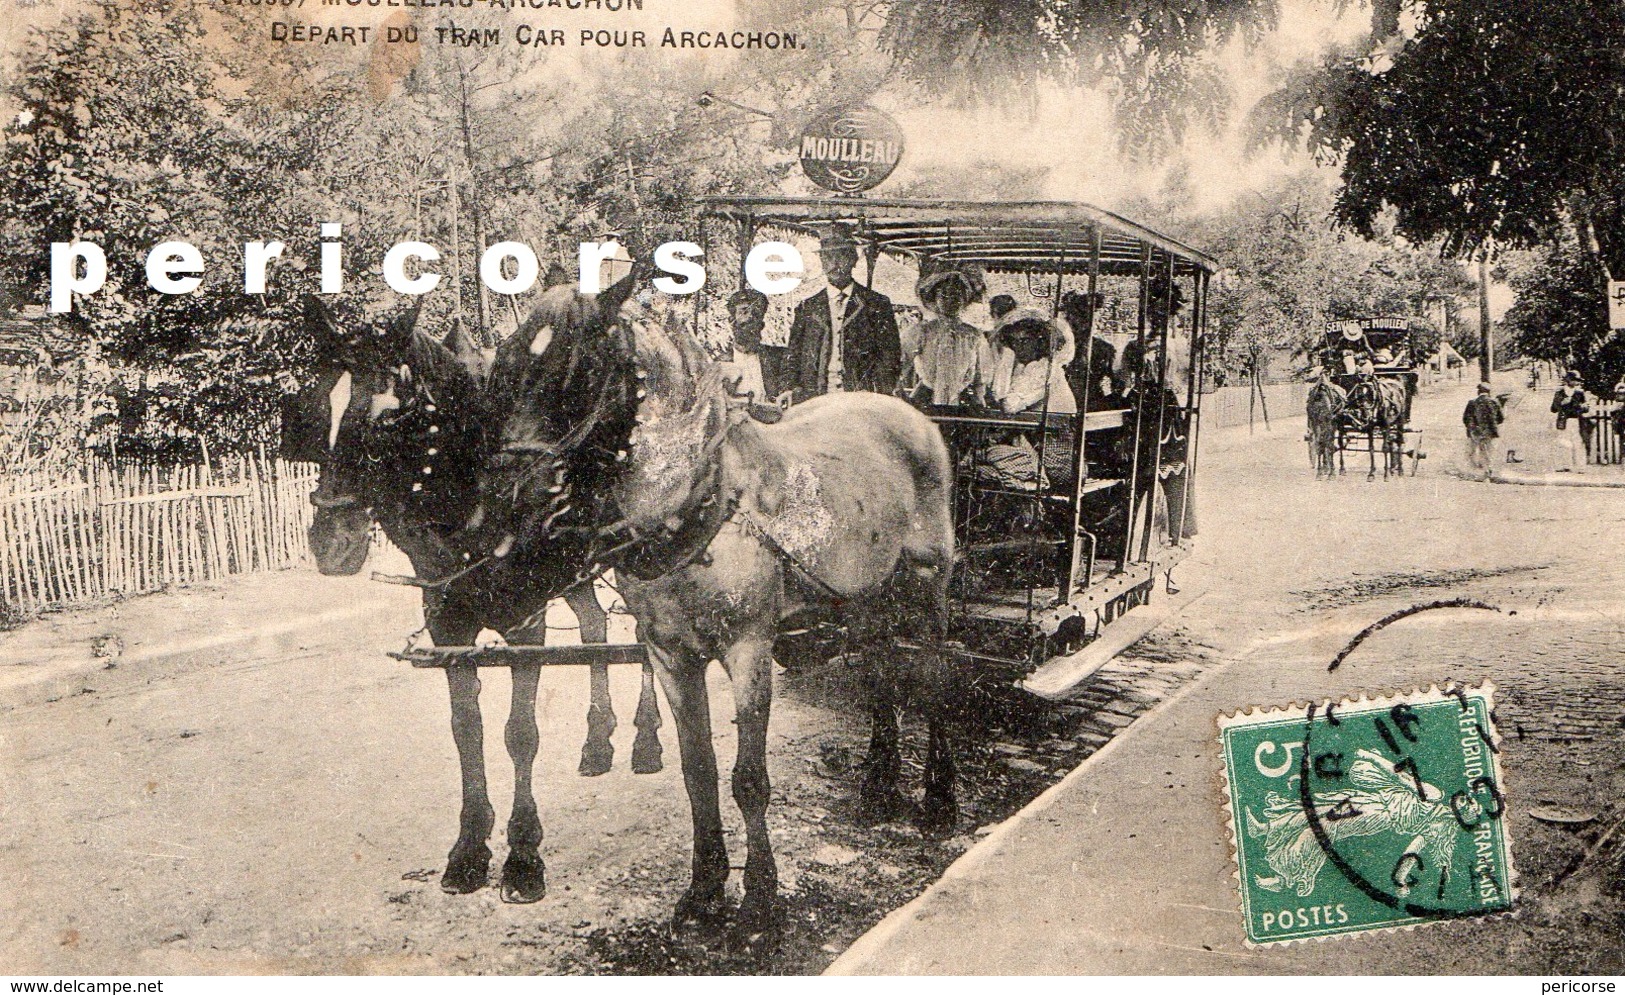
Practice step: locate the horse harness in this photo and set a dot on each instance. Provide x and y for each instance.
(651, 555)
(646, 554)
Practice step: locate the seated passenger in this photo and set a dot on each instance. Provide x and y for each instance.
(950, 358)
(1090, 372)
(1029, 373)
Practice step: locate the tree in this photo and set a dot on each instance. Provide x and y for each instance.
(1287, 270)
(1491, 125)
(147, 121)
(1553, 317)
(1154, 58)
(120, 141)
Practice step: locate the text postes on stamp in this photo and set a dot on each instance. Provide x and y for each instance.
(1368, 814)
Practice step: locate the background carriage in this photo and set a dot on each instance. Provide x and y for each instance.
(1373, 362)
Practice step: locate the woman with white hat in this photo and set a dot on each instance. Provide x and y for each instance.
(1029, 372)
(951, 358)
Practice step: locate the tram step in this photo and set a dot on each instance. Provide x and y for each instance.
(1056, 678)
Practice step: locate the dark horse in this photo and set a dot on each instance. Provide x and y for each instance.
(1377, 406)
(719, 528)
(399, 427)
(1324, 409)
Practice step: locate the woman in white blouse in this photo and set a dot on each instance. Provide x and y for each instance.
(1031, 363)
(951, 360)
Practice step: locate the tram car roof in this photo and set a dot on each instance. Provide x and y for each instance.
(1045, 236)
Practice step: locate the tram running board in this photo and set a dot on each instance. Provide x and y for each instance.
(1056, 679)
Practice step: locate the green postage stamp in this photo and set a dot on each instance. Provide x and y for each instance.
(1367, 814)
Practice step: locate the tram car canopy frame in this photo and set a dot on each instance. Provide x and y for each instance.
(1104, 535)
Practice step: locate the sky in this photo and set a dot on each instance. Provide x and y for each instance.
(1072, 133)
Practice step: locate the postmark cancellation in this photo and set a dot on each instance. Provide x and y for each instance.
(1369, 814)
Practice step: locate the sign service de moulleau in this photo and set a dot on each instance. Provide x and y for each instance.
(850, 149)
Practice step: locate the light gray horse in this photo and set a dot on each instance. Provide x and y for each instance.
(722, 527)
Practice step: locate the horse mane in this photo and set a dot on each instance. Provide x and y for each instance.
(565, 389)
(442, 428)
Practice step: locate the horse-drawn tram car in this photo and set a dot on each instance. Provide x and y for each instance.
(1073, 453)
(1067, 510)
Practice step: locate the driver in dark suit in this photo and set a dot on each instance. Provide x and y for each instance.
(845, 336)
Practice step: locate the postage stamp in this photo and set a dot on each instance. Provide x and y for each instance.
(1367, 814)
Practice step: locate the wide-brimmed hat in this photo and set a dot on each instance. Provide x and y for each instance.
(836, 237)
(1571, 376)
(1027, 318)
(1484, 388)
(934, 278)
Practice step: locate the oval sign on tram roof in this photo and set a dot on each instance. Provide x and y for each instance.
(850, 149)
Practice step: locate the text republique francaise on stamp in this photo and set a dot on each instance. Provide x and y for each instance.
(1367, 814)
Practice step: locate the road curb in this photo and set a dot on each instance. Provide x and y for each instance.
(33, 684)
(1526, 480)
(862, 951)
(983, 850)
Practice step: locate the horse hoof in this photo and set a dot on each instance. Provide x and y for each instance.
(702, 908)
(757, 930)
(596, 759)
(524, 878)
(467, 869)
(647, 761)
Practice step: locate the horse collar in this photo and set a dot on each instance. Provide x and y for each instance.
(700, 519)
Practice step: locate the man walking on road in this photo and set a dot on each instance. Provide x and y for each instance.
(1482, 417)
(1570, 404)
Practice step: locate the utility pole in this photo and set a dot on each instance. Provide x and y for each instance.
(1486, 355)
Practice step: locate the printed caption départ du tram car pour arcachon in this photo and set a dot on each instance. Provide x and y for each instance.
(533, 36)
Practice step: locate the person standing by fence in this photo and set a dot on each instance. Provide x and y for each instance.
(1482, 417)
(1570, 404)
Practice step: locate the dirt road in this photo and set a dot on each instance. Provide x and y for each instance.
(291, 814)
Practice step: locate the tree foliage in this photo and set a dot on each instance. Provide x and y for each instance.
(149, 121)
(1483, 127)
(1287, 270)
(1554, 317)
(1153, 56)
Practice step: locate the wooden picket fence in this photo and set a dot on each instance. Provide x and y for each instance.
(72, 537)
(1603, 443)
(1230, 406)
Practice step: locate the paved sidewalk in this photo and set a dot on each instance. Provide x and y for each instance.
(1124, 867)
